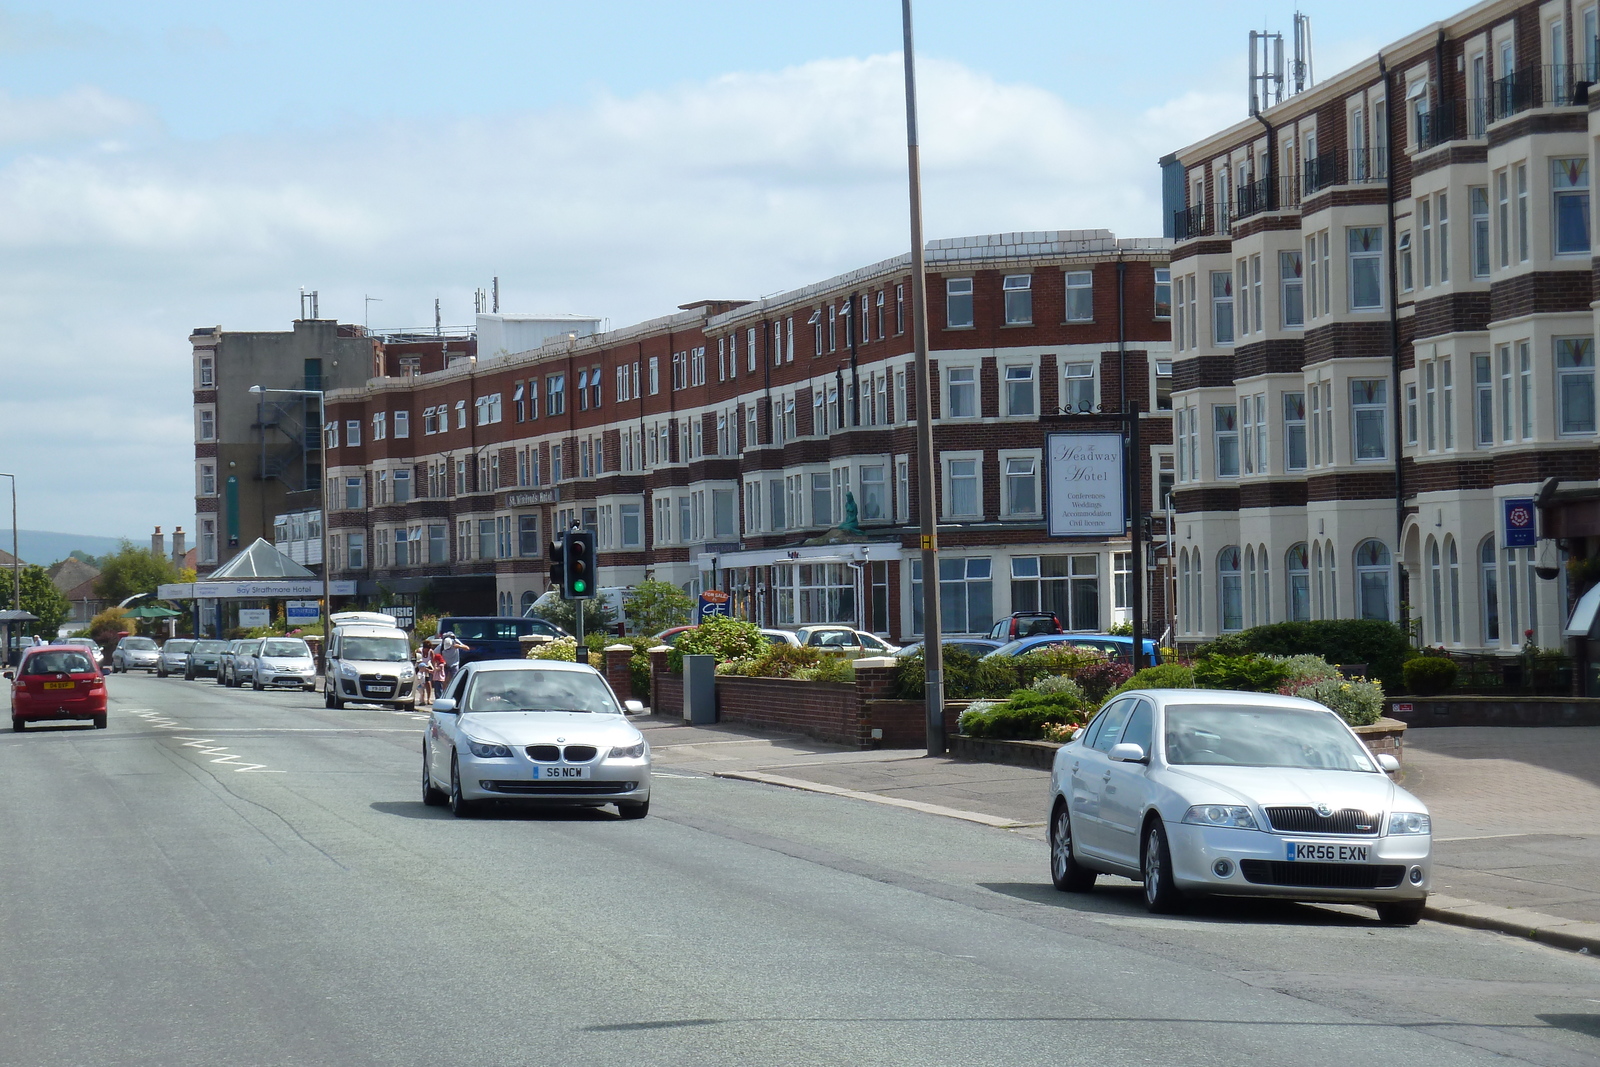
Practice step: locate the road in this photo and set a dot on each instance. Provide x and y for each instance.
(228, 877)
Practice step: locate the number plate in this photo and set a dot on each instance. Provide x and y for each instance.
(560, 773)
(380, 690)
(58, 685)
(1319, 853)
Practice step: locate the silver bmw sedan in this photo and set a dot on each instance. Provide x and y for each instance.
(1197, 791)
(534, 730)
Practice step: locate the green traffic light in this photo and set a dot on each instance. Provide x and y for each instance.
(579, 586)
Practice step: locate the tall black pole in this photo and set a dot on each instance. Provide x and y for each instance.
(1136, 535)
(932, 651)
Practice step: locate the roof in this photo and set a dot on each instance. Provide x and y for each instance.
(71, 574)
(260, 560)
(6, 559)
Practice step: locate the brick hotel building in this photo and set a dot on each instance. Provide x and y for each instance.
(715, 447)
(1384, 330)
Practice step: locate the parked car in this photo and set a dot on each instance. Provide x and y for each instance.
(57, 682)
(534, 730)
(88, 644)
(1199, 791)
(1117, 647)
(977, 646)
(283, 661)
(225, 661)
(781, 637)
(835, 638)
(1027, 624)
(491, 637)
(240, 662)
(135, 654)
(670, 635)
(203, 659)
(174, 658)
(369, 661)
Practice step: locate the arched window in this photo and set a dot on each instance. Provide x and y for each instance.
(1316, 564)
(527, 600)
(1183, 590)
(1333, 579)
(1455, 589)
(1230, 607)
(1298, 589)
(1250, 582)
(1266, 583)
(1372, 580)
(1435, 591)
(1489, 589)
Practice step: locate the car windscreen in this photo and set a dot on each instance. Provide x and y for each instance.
(177, 646)
(141, 643)
(209, 646)
(377, 649)
(58, 663)
(539, 690)
(290, 647)
(1212, 735)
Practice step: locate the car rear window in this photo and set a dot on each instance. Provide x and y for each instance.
(58, 663)
(177, 646)
(210, 646)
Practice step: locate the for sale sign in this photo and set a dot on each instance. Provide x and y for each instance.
(712, 602)
(1085, 495)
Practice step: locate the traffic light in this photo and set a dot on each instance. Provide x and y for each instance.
(579, 575)
(558, 565)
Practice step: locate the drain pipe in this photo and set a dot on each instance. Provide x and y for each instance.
(1395, 407)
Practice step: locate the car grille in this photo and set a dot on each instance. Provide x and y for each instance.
(560, 788)
(1307, 821)
(552, 753)
(1323, 875)
(390, 686)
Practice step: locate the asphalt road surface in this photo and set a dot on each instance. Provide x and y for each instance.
(228, 877)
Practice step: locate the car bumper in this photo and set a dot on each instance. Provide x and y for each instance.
(87, 708)
(136, 664)
(297, 681)
(514, 779)
(1397, 868)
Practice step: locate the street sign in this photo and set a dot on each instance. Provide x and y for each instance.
(1085, 493)
(300, 612)
(712, 602)
(1521, 531)
(405, 616)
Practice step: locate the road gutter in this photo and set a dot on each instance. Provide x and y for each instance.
(875, 798)
(1571, 934)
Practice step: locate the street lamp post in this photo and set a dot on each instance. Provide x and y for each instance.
(322, 491)
(16, 568)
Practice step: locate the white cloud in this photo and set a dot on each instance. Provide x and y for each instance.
(84, 112)
(626, 207)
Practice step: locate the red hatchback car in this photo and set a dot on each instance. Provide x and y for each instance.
(57, 682)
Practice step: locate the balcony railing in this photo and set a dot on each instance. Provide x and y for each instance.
(1256, 197)
(1439, 126)
(1552, 85)
(1191, 222)
(1355, 167)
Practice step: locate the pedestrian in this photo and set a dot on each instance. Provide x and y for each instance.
(436, 667)
(424, 667)
(451, 647)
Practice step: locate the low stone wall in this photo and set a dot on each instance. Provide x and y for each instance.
(827, 711)
(1450, 710)
(1384, 737)
(905, 722)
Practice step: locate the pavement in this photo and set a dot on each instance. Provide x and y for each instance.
(1516, 810)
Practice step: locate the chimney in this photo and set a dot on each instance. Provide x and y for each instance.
(158, 544)
(178, 548)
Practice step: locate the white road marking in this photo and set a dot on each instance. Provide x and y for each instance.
(226, 757)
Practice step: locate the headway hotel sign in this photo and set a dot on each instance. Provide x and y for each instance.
(1520, 529)
(1085, 495)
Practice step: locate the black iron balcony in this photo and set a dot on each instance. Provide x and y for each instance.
(1323, 171)
(1256, 197)
(1439, 126)
(1191, 222)
(1355, 167)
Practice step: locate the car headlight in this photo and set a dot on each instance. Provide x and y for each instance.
(488, 750)
(1234, 815)
(406, 674)
(630, 751)
(347, 671)
(1409, 822)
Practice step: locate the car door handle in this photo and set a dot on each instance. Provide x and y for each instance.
(1106, 777)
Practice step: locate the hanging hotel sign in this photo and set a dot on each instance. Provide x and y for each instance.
(1084, 485)
(1520, 529)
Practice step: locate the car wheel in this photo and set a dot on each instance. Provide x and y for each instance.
(1401, 912)
(255, 683)
(460, 806)
(188, 677)
(405, 705)
(633, 811)
(1161, 893)
(1066, 872)
(16, 724)
(160, 673)
(327, 696)
(99, 722)
(432, 795)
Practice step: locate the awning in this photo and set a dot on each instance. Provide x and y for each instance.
(1582, 623)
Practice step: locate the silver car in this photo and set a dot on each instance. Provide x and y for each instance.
(135, 654)
(534, 730)
(1200, 791)
(174, 657)
(284, 661)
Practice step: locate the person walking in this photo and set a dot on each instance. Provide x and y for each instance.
(451, 647)
(424, 667)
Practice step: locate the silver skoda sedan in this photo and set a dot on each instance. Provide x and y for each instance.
(1200, 791)
(534, 730)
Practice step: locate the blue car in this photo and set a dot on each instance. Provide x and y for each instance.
(977, 646)
(1116, 647)
(490, 637)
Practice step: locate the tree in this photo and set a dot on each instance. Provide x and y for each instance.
(39, 597)
(655, 606)
(132, 570)
(597, 614)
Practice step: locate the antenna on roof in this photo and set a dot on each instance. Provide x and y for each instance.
(308, 302)
(1302, 73)
(438, 328)
(1266, 70)
(497, 294)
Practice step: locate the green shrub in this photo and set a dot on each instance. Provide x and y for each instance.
(1102, 676)
(965, 676)
(1162, 676)
(1253, 674)
(830, 667)
(1358, 702)
(1382, 646)
(722, 637)
(779, 661)
(1303, 670)
(1023, 717)
(1056, 683)
(1067, 661)
(1426, 675)
(563, 648)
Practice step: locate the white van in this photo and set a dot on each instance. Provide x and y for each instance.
(368, 662)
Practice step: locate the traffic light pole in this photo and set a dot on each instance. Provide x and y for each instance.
(583, 649)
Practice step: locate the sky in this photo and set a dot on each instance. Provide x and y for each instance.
(171, 165)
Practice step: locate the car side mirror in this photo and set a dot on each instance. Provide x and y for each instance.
(1387, 763)
(1127, 752)
(11, 676)
(445, 705)
(633, 707)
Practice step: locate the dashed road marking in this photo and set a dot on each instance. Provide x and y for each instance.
(227, 757)
(154, 718)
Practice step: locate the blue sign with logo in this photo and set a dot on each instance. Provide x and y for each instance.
(712, 602)
(1521, 523)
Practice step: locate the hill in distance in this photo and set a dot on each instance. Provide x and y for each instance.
(45, 547)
